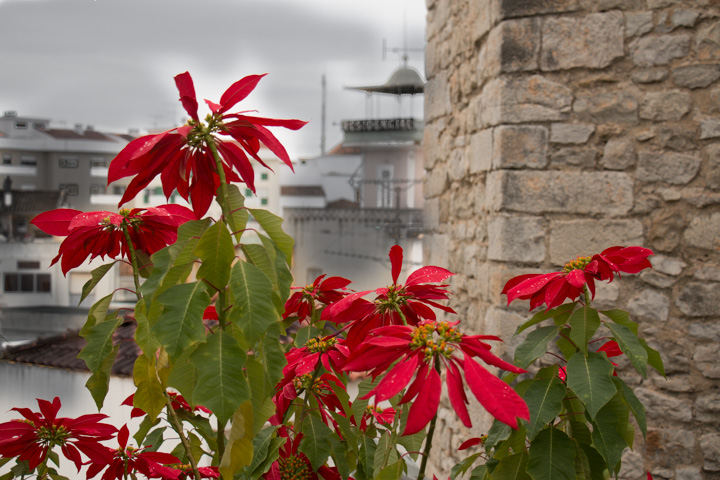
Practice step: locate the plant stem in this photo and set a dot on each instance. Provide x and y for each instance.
(177, 426)
(221, 438)
(133, 260)
(428, 439)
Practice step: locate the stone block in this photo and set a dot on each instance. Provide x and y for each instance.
(436, 182)
(638, 23)
(480, 151)
(669, 167)
(703, 232)
(711, 166)
(526, 8)
(633, 465)
(699, 299)
(650, 305)
(516, 239)
(667, 265)
(708, 331)
(656, 279)
(576, 133)
(578, 157)
(608, 193)
(710, 445)
(688, 473)
(572, 238)
(706, 359)
(659, 49)
(481, 14)
(603, 5)
(695, 76)
(592, 41)
(663, 106)
(677, 137)
(517, 44)
(503, 323)
(523, 99)
(707, 41)
(662, 407)
(458, 164)
(519, 146)
(649, 75)
(437, 92)
(707, 271)
(617, 107)
(707, 408)
(618, 154)
(710, 128)
(670, 20)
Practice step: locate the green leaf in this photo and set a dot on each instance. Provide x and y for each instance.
(621, 318)
(543, 315)
(534, 346)
(515, 443)
(392, 472)
(188, 236)
(183, 375)
(95, 276)
(340, 454)
(578, 428)
(238, 215)
(654, 358)
(180, 324)
(511, 468)
(413, 443)
(367, 456)
(461, 467)
(630, 346)
(221, 384)
(384, 448)
(552, 456)
(544, 400)
(284, 276)
(145, 426)
(316, 441)
(155, 439)
(272, 225)
(259, 256)
(479, 473)
(609, 428)
(99, 343)
(239, 449)
(597, 463)
(150, 394)
(99, 381)
(261, 444)
(584, 322)
(97, 313)
(633, 403)
(253, 311)
(567, 348)
(498, 432)
(217, 253)
(591, 379)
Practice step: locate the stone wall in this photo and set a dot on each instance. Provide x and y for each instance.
(556, 128)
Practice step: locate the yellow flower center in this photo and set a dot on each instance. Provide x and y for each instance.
(578, 264)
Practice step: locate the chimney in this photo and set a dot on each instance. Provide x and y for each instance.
(78, 128)
(89, 128)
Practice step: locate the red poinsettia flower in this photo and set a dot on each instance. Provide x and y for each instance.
(320, 387)
(183, 156)
(94, 234)
(375, 414)
(127, 460)
(178, 403)
(303, 302)
(293, 464)
(186, 472)
(40, 432)
(396, 304)
(405, 352)
(553, 288)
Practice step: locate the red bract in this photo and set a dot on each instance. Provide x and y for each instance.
(320, 387)
(186, 472)
(183, 156)
(553, 288)
(32, 438)
(396, 304)
(304, 301)
(178, 403)
(405, 352)
(373, 413)
(94, 234)
(128, 460)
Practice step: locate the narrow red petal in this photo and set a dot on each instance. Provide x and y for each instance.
(396, 258)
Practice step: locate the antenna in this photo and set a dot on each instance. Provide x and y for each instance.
(323, 83)
(405, 50)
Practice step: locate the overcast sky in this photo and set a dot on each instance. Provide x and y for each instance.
(110, 63)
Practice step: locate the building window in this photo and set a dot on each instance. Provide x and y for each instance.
(7, 158)
(248, 192)
(118, 190)
(263, 201)
(28, 265)
(27, 282)
(28, 160)
(69, 188)
(97, 162)
(97, 189)
(21, 125)
(68, 162)
(264, 176)
(39, 125)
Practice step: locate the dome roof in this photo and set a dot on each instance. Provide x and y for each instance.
(403, 81)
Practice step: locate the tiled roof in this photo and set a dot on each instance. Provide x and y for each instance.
(35, 201)
(302, 190)
(343, 203)
(66, 134)
(341, 149)
(61, 351)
